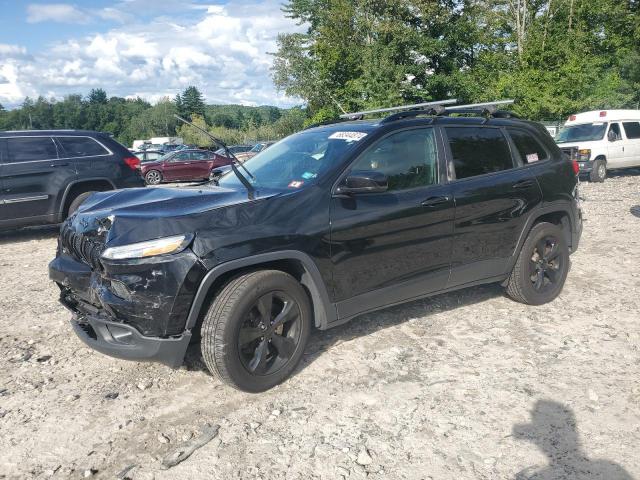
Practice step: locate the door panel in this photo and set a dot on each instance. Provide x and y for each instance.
(33, 176)
(491, 212)
(174, 168)
(492, 201)
(199, 167)
(632, 132)
(615, 150)
(388, 247)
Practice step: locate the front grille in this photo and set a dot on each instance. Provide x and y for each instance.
(81, 247)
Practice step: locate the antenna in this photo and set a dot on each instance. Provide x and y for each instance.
(398, 108)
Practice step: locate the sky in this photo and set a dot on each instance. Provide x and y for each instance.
(146, 48)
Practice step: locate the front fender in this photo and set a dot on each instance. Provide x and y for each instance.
(324, 310)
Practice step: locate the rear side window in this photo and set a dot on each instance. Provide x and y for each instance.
(632, 129)
(25, 149)
(81, 147)
(478, 151)
(200, 155)
(527, 146)
(181, 157)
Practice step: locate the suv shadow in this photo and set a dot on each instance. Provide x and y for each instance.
(321, 341)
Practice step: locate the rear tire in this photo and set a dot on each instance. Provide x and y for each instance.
(599, 171)
(77, 202)
(542, 266)
(153, 177)
(256, 330)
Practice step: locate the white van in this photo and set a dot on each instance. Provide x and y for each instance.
(601, 140)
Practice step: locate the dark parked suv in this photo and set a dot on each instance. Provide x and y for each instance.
(45, 175)
(325, 225)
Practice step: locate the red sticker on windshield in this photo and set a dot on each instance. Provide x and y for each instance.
(295, 184)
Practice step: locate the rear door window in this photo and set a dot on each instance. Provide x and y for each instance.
(181, 157)
(200, 156)
(81, 147)
(528, 147)
(26, 149)
(478, 151)
(632, 129)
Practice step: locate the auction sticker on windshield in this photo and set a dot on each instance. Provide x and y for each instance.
(348, 136)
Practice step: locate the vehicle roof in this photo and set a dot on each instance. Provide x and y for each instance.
(84, 133)
(603, 116)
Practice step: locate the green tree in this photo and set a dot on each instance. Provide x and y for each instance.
(97, 96)
(553, 56)
(192, 102)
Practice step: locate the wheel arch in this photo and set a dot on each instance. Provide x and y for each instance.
(557, 215)
(78, 187)
(296, 263)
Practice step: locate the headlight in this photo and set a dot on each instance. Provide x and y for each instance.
(584, 155)
(160, 246)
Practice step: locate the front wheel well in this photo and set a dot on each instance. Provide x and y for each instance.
(293, 267)
(82, 187)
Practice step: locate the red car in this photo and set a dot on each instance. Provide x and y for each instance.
(184, 165)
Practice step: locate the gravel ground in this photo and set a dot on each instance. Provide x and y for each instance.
(463, 385)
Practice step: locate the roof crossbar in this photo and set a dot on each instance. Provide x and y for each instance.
(487, 109)
(357, 115)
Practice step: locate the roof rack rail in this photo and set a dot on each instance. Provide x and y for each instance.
(486, 109)
(359, 115)
(477, 106)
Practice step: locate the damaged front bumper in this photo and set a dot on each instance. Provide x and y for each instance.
(135, 310)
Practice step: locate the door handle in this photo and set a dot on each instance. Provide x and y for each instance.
(433, 201)
(522, 184)
(59, 164)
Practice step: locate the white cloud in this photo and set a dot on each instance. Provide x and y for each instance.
(223, 50)
(12, 50)
(55, 12)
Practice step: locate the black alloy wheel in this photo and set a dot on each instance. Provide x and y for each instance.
(270, 333)
(256, 329)
(542, 266)
(546, 264)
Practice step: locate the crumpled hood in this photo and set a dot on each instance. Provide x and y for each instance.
(134, 215)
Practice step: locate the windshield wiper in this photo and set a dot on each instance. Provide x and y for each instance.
(234, 160)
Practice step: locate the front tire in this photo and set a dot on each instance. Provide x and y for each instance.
(75, 204)
(542, 266)
(256, 330)
(153, 177)
(599, 171)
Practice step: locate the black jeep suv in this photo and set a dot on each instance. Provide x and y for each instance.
(325, 225)
(46, 174)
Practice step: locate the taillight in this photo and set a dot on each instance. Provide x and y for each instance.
(132, 162)
(603, 113)
(572, 118)
(576, 167)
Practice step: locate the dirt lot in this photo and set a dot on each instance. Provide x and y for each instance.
(463, 385)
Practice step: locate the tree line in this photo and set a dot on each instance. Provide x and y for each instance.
(131, 119)
(554, 57)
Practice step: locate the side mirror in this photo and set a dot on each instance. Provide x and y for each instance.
(368, 181)
(612, 136)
